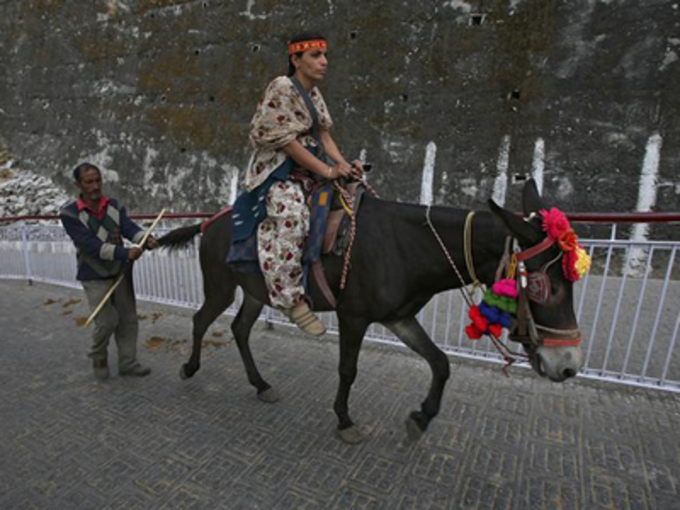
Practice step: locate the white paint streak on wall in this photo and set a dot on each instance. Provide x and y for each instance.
(234, 189)
(538, 165)
(249, 14)
(500, 185)
(646, 200)
(461, 5)
(426, 194)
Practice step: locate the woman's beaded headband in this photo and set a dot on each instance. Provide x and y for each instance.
(298, 47)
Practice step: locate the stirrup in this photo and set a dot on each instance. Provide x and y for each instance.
(305, 319)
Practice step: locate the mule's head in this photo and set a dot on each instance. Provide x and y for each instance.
(552, 338)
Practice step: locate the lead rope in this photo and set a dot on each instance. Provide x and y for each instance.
(510, 357)
(467, 295)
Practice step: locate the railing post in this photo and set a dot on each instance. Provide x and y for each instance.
(26, 252)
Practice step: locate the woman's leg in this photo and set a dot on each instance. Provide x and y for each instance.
(281, 238)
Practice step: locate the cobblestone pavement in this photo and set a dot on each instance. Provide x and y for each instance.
(69, 441)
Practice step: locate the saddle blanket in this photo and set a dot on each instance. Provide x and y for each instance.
(243, 253)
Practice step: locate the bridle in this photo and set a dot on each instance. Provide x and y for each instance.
(532, 286)
(535, 286)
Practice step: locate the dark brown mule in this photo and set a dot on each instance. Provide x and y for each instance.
(397, 266)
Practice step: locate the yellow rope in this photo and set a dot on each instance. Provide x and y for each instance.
(345, 206)
(513, 267)
(468, 250)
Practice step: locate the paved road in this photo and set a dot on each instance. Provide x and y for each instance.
(69, 441)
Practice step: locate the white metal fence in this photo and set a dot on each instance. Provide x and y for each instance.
(628, 306)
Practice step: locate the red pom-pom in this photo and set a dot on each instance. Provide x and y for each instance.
(569, 266)
(473, 332)
(496, 330)
(555, 223)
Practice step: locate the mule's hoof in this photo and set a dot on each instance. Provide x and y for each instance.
(184, 373)
(413, 430)
(350, 435)
(270, 395)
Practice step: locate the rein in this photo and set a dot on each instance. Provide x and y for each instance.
(348, 204)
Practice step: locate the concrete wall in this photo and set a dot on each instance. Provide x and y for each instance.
(453, 101)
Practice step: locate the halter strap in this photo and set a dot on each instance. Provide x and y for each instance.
(535, 250)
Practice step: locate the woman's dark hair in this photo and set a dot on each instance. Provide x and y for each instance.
(84, 167)
(303, 36)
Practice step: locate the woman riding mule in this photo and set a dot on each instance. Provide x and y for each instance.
(397, 266)
(290, 135)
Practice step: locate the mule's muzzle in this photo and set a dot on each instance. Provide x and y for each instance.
(558, 363)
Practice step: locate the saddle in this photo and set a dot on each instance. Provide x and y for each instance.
(330, 229)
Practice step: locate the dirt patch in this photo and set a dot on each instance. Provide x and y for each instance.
(141, 317)
(154, 342)
(155, 316)
(71, 302)
(181, 346)
(67, 312)
(218, 334)
(80, 321)
(51, 302)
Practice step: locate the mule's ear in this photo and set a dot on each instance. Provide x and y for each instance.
(531, 200)
(522, 230)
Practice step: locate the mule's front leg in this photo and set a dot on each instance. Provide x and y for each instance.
(414, 336)
(351, 335)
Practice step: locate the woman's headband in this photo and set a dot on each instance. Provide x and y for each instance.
(298, 47)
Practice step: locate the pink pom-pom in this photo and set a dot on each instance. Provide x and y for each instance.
(505, 287)
(555, 223)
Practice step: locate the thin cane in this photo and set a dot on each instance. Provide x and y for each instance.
(115, 285)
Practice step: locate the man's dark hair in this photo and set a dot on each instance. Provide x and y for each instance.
(303, 36)
(84, 167)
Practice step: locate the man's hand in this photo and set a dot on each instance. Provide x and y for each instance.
(152, 243)
(134, 253)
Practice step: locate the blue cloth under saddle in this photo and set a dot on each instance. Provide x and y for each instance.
(252, 210)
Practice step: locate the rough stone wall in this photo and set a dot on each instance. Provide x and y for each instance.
(470, 96)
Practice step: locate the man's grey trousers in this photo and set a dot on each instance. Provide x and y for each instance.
(118, 317)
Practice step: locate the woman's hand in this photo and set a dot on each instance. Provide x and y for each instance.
(342, 169)
(358, 168)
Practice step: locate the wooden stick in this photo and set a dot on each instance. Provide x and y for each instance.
(115, 285)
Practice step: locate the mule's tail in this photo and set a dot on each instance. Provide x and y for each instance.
(179, 238)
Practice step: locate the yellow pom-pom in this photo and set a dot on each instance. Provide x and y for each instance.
(583, 262)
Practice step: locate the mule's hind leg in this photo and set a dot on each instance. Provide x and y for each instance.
(217, 300)
(414, 336)
(241, 327)
(351, 336)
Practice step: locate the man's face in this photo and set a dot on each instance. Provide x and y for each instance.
(90, 185)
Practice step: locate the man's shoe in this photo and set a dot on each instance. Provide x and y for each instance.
(136, 371)
(305, 319)
(101, 369)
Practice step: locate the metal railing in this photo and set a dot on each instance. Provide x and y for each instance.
(627, 306)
